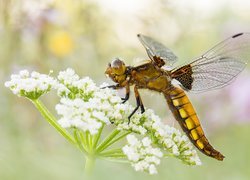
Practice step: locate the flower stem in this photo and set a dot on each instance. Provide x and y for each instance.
(97, 137)
(90, 139)
(107, 140)
(89, 165)
(83, 141)
(78, 139)
(111, 152)
(115, 159)
(52, 120)
(118, 155)
(116, 139)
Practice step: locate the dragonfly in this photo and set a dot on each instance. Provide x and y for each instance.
(214, 69)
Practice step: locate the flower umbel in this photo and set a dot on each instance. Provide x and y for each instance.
(86, 109)
(71, 86)
(30, 85)
(142, 155)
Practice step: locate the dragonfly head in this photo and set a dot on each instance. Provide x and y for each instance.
(116, 70)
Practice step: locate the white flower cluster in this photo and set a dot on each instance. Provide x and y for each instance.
(75, 113)
(85, 106)
(171, 139)
(71, 86)
(30, 85)
(166, 137)
(136, 123)
(142, 155)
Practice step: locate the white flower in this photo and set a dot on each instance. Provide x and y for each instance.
(71, 86)
(195, 158)
(75, 113)
(146, 142)
(170, 139)
(68, 76)
(152, 169)
(131, 153)
(136, 123)
(85, 106)
(142, 155)
(30, 85)
(132, 140)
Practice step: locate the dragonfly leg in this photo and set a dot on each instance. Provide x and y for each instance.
(138, 99)
(127, 94)
(117, 86)
(138, 104)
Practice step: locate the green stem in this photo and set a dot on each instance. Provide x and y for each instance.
(83, 141)
(116, 139)
(78, 140)
(97, 137)
(107, 140)
(52, 120)
(90, 140)
(87, 140)
(119, 155)
(169, 155)
(120, 160)
(89, 165)
(112, 151)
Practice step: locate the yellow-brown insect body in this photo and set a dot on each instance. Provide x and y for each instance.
(150, 77)
(185, 114)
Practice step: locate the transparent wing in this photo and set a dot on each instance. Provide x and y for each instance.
(157, 52)
(217, 67)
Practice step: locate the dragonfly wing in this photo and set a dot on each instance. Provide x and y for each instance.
(217, 67)
(157, 52)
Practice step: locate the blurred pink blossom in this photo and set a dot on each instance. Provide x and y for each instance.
(239, 93)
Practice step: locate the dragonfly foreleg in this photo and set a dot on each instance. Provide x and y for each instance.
(138, 104)
(127, 94)
(117, 86)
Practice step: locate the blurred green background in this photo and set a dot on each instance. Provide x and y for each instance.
(85, 35)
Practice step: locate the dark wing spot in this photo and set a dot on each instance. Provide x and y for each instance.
(184, 76)
(236, 35)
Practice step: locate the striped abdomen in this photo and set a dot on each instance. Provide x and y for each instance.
(185, 114)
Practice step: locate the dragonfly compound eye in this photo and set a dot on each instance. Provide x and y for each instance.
(118, 66)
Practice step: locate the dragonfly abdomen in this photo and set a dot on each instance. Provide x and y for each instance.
(185, 114)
